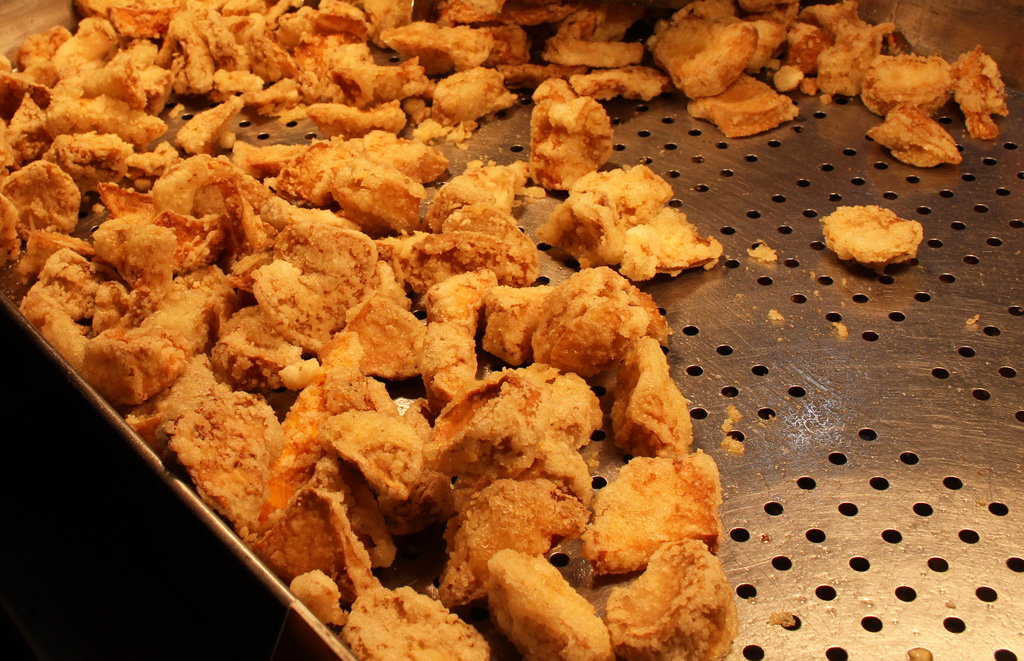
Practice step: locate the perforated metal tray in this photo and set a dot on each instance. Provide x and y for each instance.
(878, 500)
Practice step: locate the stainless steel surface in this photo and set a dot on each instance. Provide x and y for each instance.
(878, 501)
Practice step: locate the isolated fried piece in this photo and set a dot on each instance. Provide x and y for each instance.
(650, 417)
(441, 49)
(321, 595)
(703, 56)
(747, 107)
(391, 337)
(589, 321)
(314, 532)
(629, 527)
(469, 95)
(537, 609)
(491, 185)
(250, 354)
(980, 91)
(871, 235)
(512, 315)
(90, 158)
(528, 516)
(205, 132)
(915, 138)
(395, 625)
(46, 198)
(227, 444)
(630, 82)
(842, 66)
(681, 607)
(570, 136)
(339, 119)
(923, 82)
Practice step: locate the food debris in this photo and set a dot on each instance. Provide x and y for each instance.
(775, 315)
(973, 320)
(762, 253)
(783, 619)
(841, 330)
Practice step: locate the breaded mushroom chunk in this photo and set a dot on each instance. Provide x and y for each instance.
(980, 91)
(469, 95)
(747, 107)
(391, 337)
(629, 527)
(570, 136)
(631, 82)
(537, 609)
(681, 607)
(321, 595)
(46, 198)
(512, 314)
(871, 235)
(923, 82)
(704, 56)
(401, 624)
(915, 138)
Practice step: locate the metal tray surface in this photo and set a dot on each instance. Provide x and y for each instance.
(877, 507)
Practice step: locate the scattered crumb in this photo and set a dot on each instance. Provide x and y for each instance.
(733, 447)
(732, 416)
(919, 654)
(98, 208)
(176, 111)
(775, 315)
(973, 320)
(763, 253)
(782, 619)
(841, 330)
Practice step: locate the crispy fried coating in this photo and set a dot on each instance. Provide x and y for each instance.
(771, 34)
(470, 11)
(915, 138)
(143, 20)
(681, 607)
(263, 162)
(129, 366)
(250, 354)
(512, 316)
(56, 325)
(843, 66)
(387, 452)
(537, 609)
(529, 516)
(441, 49)
(321, 595)
(835, 18)
(650, 417)
(629, 82)
(70, 281)
(34, 57)
(152, 163)
(103, 114)
(627, 529)
(195, 383)
(90, 158)
(338, 119)
(568, 51)
(10, 244)
(589, 321)
(381, 199)
(491, 185)
(142, 254)
(27, 135)
(391, 337)
(395, 625)
(923, 82)
(532, 75)
(804, 43)
(570, 136)
(468, 95)
(980, 91)
(227, 445)
(511, 46)
(747, 107)
(703, 55)
(667, 243)
(207, 130)
(41, 244)
(45, 196)
(871, 235)
(93, 43)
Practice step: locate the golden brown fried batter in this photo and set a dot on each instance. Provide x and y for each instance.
(129, 366)
(10, 244)
(590, 320)
(630, 82)
(401, 624)
(34, 58)
(980, 91)
(628, 528)
(70, 281)
(227, 445)
(391, 337)
(491, 185)
(468, 95)
(321, 595)
(703, 55)
(804, 43)
(379, 198)
(339, 119)
(512, 315)
(441, 49)
(72, 114)
(747, 107)
(923, 82)
(90, 158)
(142, 254)
(41, 244)
(262, 162)
(570, 136)
(250, 354)
(843, 65)
(45, 196)
(537, 609)
(532, 75)
(915, 138)
(650, 417)
(871, 235)
(387, 452)
(680, 608)
(208, 130)
(771, 34)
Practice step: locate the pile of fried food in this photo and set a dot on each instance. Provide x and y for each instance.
(216, 281)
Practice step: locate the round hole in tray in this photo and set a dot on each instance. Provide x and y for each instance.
(1007, 372)
(909, 458)
(728, 231)
(859, 563)
(999, 509)
(897, 316)
(773, 508)
(923, 509)
(940, 373)
(953, 483)
(796, 391)
(1004, 655)
(879, 483)
(947, 278)
(698, 414)
(559, 559)
(825, 280)
(869, 336)
(798, 298)
(598, 435)
(815, 536)
(825, 592)
(861, 298)
(753, 653)
(724, 350)
(764, 281)
(759, 370)
(782, 563)
(1015, 564)
(732, 264)
(837, 458)
(992, 331)
(938, 565)
(833, 317)
(806, 483)
(981, 394)
(730, 391)
(739, 535)
(766, 413)
(836, 654)
(966, 352)
(892, 536)
(746, 591)
(785, 229)
(954, 625)
(906, 593)
(791, 263)
(968, 536)
(598, 482)
(817, 245)
(871, 623)
(847, 509)
(694, 370)
(986, 594)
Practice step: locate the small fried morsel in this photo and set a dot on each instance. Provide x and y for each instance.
(142, 254)
(27, 136)
(747, 107)
(41, 244)
(871, 235)
(804, 43)
(532, 75)
(90, 158)
(570, 136)
(401, 624)
(491, 185)
(703, 56)
(339, 119)
(263, 162)
(34, 58)
(528, 516)
(915, 138)
(469, 95)
(103, 114)
(10, 244)
(387, 452)
(650, 417)
(681, 607)
(227, 444)
(628, 528)
(93, 43)
(631, 82)
(537, 609)
(771, 34)
(381, 199)
(45, 196)
(70, 281)
(129, 366)
(321, 595)
(980, 91)
(667, 243)
(923, 82)
(512, 315)
(250, 354)
(842, 66)
(591, 36)
(207, 130)
(590, 320)
(198, 304)
(441, 49)
(391, 337)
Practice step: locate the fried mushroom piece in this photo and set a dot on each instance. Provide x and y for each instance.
(45, 196)
(142, 254)
(90, 158)
(590, 320)
(747, 107)
(250, 354)
(469, 95)
(492, 185)
(40, 245)
(393, 625)
(843, 65)
(68, 280)
(923, 82)
(650, 417)
(512, 315)
(804, 43)
(537, 609)
(570, 135)
(667, 243)
(531, 75)
(441, 49)
(339, 119)
(630, 82)
(980, 91)
(208, 130)
(321, 595)
(871, 235)
(10, 244)
(592, 36)
(391, 337)
(703, 55)
(915, 139)
(681, 607)
(129, 366)
(381, 199)
(628, 527)
(528, 516)
(227, 444)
